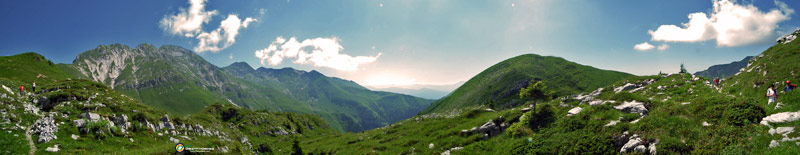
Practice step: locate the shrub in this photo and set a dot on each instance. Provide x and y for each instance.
(743, 114)
(264, 148)
(519, 129)
(542, 117)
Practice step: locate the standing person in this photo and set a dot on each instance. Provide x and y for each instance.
(716, 81)
(34, 87)
(771, 95)
(21, 90)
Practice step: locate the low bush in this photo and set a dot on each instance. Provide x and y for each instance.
(743, 114)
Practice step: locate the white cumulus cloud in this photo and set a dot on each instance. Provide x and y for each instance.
(730, 24)
(189, 23)
(643, 46)
(325, 52)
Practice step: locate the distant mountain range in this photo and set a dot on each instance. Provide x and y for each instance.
(177, 80)
(420, 90)
(724, 70)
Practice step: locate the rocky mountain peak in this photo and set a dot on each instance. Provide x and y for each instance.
(240, 66)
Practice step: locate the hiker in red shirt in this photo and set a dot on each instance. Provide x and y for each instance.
(21, 90)
(716, 81)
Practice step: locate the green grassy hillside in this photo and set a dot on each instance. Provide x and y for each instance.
(122, 121)
(345, 104)
(682, 114)
(498, 86)
(20, 67)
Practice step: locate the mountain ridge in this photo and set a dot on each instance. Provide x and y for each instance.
(514, 73)
(179, 81)
(724, 70)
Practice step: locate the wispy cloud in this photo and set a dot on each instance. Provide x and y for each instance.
(189, 23)
(730, 24)
(643, 46)
(663, 47)
(325, 52)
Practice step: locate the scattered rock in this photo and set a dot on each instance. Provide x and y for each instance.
(165, 123)
(785, 39)
(613, 122)
(30, 108)
(781, 117)
(574, 111)
(90, 116)
(774, 143)
(631, 144)
(781, 130)
(131, 140)
(706, 124)
(632, 107)
(489, 129)
(652, 147)
(122, 122)
(46, 128)
(430, 146)
(52, 149)
(223, 149)
(635, 143)
(281, 132)
(588, 97)
(174, 140)
(243, 141)
(75, 137)
(452, 150)
(633, 87)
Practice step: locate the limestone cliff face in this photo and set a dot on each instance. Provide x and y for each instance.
(146, 66)
(154, 74)
(106, 63)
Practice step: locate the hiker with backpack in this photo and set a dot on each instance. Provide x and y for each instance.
(21, 90)
(771, 95)
(789, 86)
(716, 81)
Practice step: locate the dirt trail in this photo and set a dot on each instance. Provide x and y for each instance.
(30, 140)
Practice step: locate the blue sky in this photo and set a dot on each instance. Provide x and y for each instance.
(379, 42)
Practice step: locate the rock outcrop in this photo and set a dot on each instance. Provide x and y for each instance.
(635, 143)
(52, 149)
(633, 87)
(781, 117)
(574, 111)
(632, 107)
(46, 128)
(785, 39)
(488, 129)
